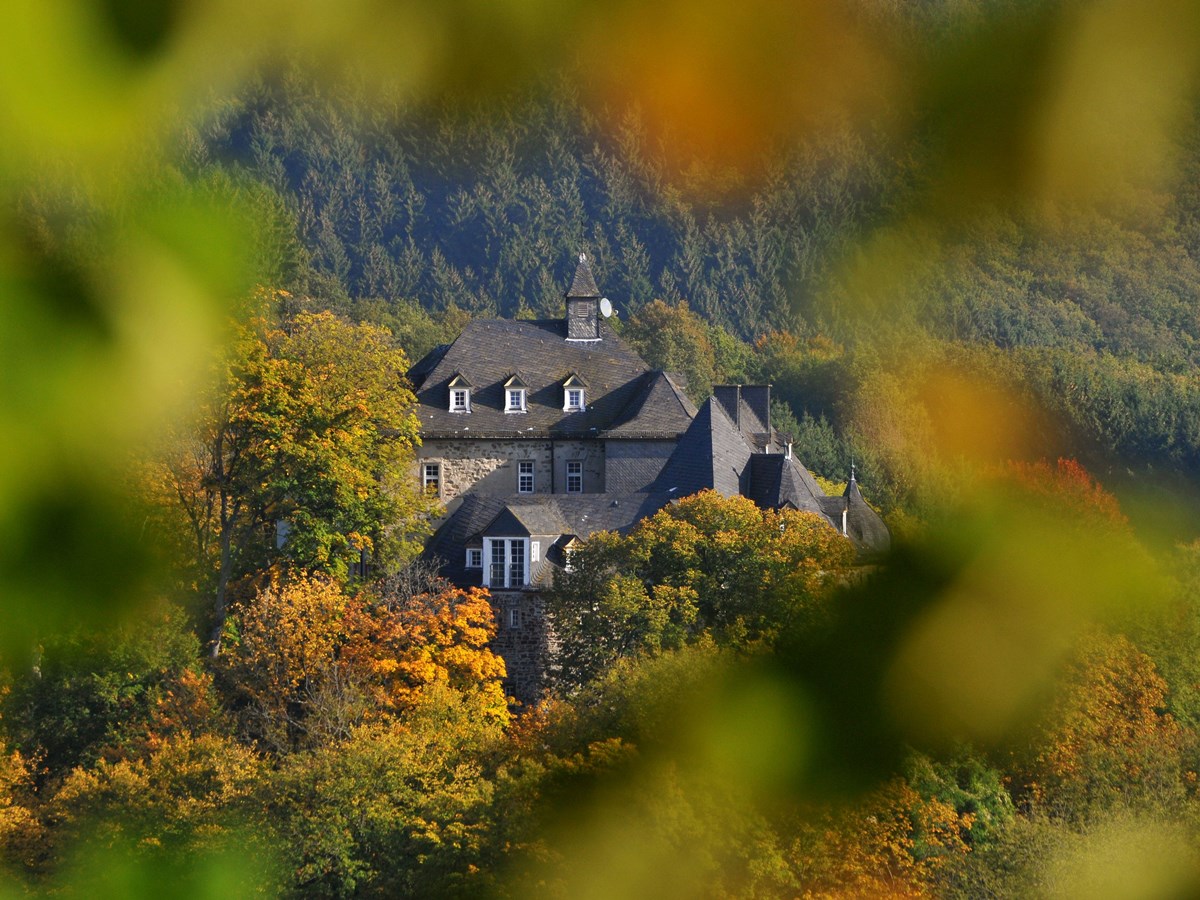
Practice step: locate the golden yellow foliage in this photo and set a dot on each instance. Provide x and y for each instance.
(890, 844)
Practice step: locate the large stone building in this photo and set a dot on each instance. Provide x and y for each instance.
(537, 434)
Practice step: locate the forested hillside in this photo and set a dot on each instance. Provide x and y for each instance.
(416, 217)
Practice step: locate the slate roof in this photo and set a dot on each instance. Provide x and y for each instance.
(584, 283)
(420, 371)
(863, 525)
(660, 409)
(580, 515)
(711, 454)
(488, 352)
(777, 481)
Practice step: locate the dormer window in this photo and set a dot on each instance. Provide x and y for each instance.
(574, 398)
(460, 394)
(514, 395)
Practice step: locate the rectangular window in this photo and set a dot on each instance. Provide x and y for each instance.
(525, 476)
(535, 551)
(516, 400)
(516, 563)
(431, 479)
(459, 400)
(499, 551)
(574, 476)
(506, 563)
(574, 398)
(514, 617)
(474, 557)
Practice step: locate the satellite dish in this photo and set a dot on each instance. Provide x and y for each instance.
(605, 307)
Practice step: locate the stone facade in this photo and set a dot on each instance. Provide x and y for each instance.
(523, 640)
(490, 466)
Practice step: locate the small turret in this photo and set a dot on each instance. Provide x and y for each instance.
(583, 304)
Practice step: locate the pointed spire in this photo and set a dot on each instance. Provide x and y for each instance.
(852, 493)
(584, 283)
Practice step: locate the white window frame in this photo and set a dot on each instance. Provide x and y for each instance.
(573, 399)
(435, 480)
(512, 551)
(455, 395)
(525, 471)
(575, 476)
(474, 558)
(535, 551)
(517, 394)
(514, 617)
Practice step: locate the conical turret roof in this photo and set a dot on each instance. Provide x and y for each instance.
(584, 283)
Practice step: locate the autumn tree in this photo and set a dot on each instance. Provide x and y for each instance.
(392, 810)
(401, 645)
(1108, 736)
(891, 843)
(674, 338)
(187, 795)
(707, 566)
(112, 695)
(307, 663)
(309, 429)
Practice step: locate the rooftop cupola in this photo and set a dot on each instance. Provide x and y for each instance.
(583, 304)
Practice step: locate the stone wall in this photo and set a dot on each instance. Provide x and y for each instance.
(490, 466)
(523, 642)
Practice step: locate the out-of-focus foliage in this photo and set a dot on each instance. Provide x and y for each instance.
(989, 207)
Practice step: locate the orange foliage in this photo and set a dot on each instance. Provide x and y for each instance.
(1069, 490)
(889, 845)
(309, 663)
(1108, 732)
(432, 638)
(22, 836)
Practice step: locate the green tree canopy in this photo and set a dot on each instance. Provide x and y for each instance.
(299, 453)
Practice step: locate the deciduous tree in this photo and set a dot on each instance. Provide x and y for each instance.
(308, 428)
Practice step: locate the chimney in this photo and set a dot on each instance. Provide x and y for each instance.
(583, 304)
(758, 398)
(729, 396)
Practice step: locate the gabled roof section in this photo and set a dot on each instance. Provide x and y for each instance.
(659, 409)
(459, 381)
(540, 517)
(574, 380)
(776, 481)
(505, 524)
(515, 381)
(485, 354)
(711, 454)
(584, 283)
(525, 518)
(420, 371)
(560, 515)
